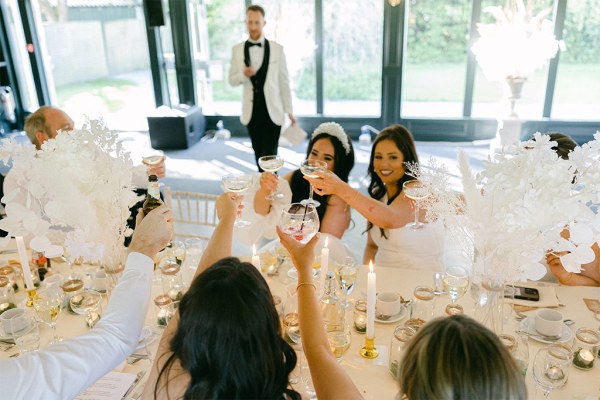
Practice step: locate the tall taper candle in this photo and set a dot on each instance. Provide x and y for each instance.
(24, 263)
(371, 295)
(255, 258)
(324, 266)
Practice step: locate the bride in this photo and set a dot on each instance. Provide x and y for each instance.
(391, 240)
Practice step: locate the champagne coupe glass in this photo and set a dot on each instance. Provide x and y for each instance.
(415, 190)
(456, 283)
(345, 272)
(300, 221)
(238, 183)
(88, 304)
(272, 164)
(551, 368)
(48, 305)
(309, 168)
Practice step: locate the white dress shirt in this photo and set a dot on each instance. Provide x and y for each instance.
(65, 369)
(257, 53)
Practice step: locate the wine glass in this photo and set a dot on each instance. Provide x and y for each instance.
(551, 368)
(88, 304)
(345, 272)
(309, 168)
(272, 164)
(456, 283)
(339, 341)
(48, 305)
(290, 321)
(238, 183)
(300, 221)
(415, 190)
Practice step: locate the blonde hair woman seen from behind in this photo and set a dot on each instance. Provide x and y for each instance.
(458, 358)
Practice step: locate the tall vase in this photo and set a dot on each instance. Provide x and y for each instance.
(489, 293)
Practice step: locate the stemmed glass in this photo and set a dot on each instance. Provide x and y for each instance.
(272, 164)
(551, 368)
(345, 272)
(238, 183)
(48, 305)
(300, 221)
(88, 304)
(415, 190)
(309, 168)
(456, 283)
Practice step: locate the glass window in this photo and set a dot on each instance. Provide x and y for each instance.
(577, 91)
(166, 40)
(352, 56)
(491, 98)
(98, 58)
(434, 71)
(216, 27)
(291, 23)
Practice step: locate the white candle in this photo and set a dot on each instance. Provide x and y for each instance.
(24, 263)
(255, 258)
(371, 294)
(324, 266)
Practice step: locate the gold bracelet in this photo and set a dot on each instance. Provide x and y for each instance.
(306, 284)
(565, 281)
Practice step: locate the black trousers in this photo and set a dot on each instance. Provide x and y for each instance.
(264, 133)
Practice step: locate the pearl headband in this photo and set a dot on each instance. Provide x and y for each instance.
(333, 129)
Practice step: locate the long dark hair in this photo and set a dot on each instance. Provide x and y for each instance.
(403, 139)
(229, 337)
(343, 163)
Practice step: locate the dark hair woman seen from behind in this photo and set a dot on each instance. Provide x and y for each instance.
(343, 162)
(406, 144)
(229, 337)
(458, 358)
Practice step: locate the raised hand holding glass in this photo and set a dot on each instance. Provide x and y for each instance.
(415, 190)
(309, 168)
(272, 164)
(238, 183)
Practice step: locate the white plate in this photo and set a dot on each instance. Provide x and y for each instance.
(393, 318)
(528, 325)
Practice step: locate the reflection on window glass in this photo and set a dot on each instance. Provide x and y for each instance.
(433, 84)
(166, 38)
(490, 98)
(224, 23)
(291, 23)
(577, 91)
(98, 56)
(352, 54)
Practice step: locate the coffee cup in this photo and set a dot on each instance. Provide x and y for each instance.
(13, 320)
(387, 305)
(548, 322)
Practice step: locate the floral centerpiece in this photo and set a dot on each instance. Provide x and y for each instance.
(516, 45)
(525, 202)
(75, 192)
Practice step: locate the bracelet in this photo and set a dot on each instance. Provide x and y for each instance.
(306, 284)
(565, 281)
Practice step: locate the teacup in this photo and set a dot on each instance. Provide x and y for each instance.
(549, 322)
(387, 305)
(13, 320)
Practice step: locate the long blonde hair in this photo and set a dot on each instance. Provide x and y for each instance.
(458, 358)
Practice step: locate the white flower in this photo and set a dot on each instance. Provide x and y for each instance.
(76, 191)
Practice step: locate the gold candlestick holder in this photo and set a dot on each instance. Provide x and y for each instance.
(369, 350)
(31, 295)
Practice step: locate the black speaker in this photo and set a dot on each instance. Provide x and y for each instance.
(154, 13)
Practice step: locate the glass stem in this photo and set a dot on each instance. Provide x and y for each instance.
(416, 213)
(310, 195)
(53, 326)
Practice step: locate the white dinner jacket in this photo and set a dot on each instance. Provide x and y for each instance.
(277, 91)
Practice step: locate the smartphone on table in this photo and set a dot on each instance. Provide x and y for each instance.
(522, 293)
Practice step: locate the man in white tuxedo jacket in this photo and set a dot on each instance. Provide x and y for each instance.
(259, 65)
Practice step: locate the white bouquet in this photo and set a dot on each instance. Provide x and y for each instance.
(75, 192)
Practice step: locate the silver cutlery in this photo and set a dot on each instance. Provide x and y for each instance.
(547, 338)
(139, 376)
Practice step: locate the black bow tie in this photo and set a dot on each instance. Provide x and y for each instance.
(250, 44)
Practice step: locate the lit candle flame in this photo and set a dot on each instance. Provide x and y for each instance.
(371, 266)
(253, 249)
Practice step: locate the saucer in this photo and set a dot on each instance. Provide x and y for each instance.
(393, 318)
(528, 325)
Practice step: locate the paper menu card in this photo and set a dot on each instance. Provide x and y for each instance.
(112, 386)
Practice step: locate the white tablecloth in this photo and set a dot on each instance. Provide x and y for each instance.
(371, 376)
